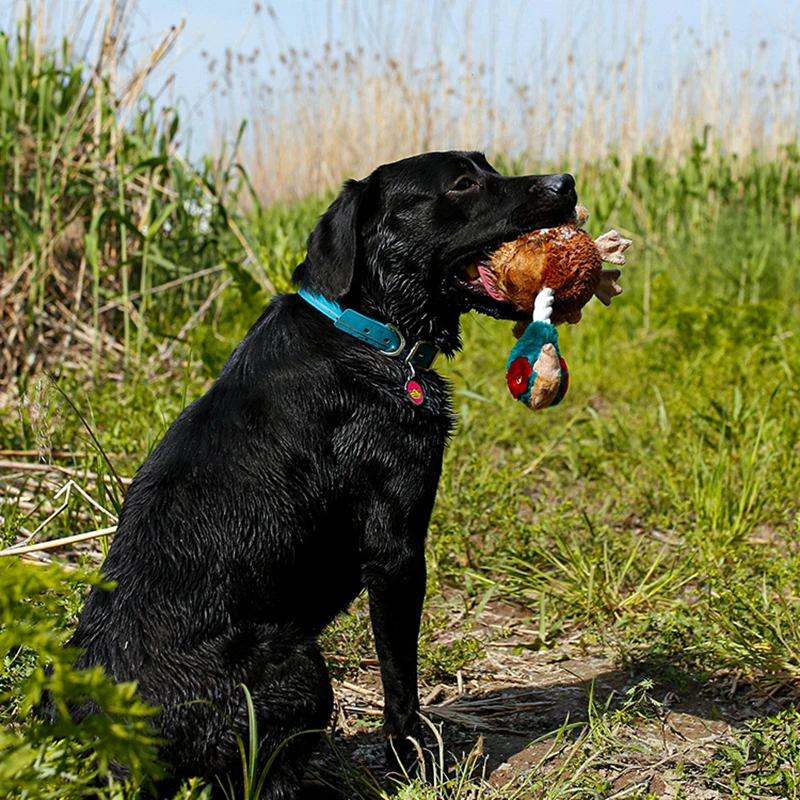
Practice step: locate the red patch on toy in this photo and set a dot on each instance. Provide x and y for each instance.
(517, 376)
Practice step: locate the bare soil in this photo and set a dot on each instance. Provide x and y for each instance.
(511, 703)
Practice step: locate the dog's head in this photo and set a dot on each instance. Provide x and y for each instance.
(402, 245)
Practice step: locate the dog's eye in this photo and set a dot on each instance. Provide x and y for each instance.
(463, 185)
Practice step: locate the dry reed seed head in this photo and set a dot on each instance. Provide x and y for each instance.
(607, 118)
(43, 406)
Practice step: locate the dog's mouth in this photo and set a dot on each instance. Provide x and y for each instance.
(476, 277)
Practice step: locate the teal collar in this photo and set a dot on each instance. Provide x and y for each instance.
(383, 337)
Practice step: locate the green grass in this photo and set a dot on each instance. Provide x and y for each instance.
(653, 513)
(655, 509)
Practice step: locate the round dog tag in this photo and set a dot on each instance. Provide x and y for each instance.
(415, 393)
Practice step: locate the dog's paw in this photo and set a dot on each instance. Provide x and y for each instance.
(408, 757)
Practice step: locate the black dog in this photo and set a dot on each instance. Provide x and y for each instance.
(306, 474)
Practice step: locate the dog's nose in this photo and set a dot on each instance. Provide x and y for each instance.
(561, 184)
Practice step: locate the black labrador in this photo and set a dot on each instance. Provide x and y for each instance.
(306, 474)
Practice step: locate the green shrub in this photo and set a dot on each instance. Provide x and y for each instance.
(66, 759)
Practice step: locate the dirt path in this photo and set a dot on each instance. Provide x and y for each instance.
(512, 701)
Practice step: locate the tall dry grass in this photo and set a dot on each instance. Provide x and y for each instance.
(66, 160)
(392, 87)
(103, 225)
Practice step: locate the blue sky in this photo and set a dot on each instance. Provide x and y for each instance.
(503, 29)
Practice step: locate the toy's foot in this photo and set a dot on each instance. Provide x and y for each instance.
(608, 288)
(612, 247)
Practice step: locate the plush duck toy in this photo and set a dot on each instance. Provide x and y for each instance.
(552, 273)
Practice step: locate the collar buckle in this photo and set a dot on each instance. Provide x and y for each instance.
(429, 354)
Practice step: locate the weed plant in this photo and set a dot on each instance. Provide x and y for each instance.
(69, 759)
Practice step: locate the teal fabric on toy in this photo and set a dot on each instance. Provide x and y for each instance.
(535, 372)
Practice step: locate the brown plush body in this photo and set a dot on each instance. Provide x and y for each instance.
(565, 259)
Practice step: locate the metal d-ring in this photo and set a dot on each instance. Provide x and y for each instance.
(400, 347)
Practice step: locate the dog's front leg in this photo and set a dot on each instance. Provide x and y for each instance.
(396, 596)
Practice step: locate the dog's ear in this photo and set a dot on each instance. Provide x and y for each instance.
(333, 246)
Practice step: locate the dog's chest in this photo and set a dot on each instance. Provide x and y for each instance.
(390, 436)
(421, 400)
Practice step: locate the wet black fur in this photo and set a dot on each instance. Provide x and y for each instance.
(305, 475)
